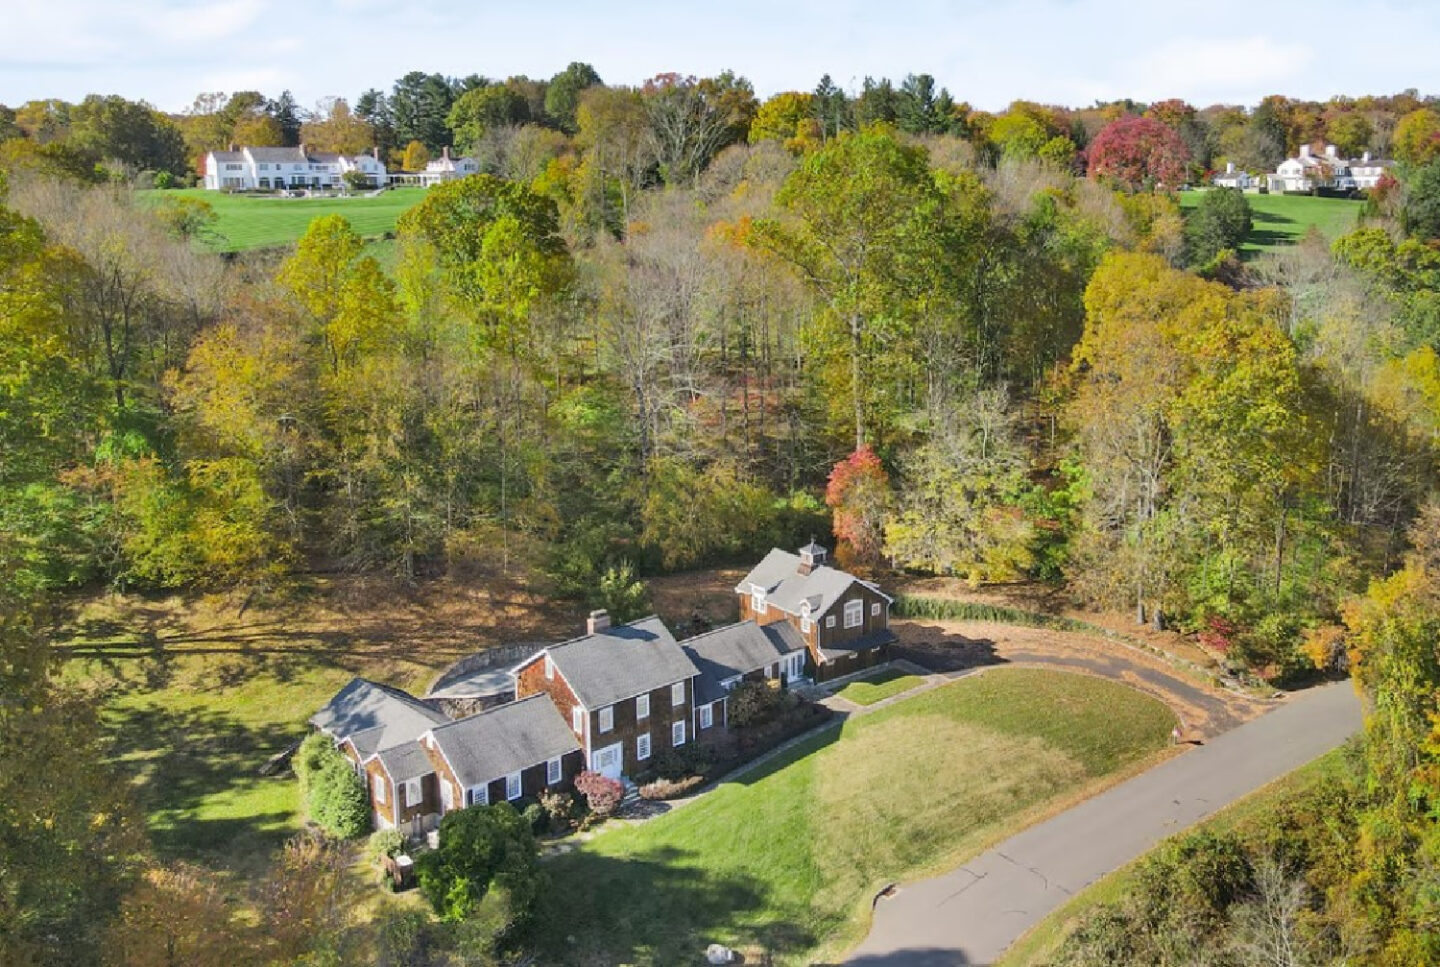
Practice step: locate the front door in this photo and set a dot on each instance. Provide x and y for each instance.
(609, 761)
(794, 665)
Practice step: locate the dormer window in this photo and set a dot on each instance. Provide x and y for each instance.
(757, 600)
(549, 669)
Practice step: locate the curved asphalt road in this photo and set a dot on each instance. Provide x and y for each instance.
(970, 915)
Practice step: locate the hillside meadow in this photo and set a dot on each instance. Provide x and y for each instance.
(245, 222)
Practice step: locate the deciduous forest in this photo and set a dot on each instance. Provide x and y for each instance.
(671, 326)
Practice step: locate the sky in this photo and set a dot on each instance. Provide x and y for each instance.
(1070, 52)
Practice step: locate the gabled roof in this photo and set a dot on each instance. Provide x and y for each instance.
(273, 155)
(621, 662)
(375, 716)
(787, 589)
(737, 650)
(406, 761)
(230, 156)
(505, 739)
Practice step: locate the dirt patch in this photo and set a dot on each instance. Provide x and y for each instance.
(952, 647)
(1052, 600)
(708, 595)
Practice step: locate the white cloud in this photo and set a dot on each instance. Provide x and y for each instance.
(202, 22)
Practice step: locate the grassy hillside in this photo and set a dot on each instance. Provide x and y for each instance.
(1281, 220)
(248, 223)
(788, 857)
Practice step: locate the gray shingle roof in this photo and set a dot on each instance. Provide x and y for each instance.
(735, 650)
(786, 588)
(406, 761)
(621, 662)
(230, 156)
(375, 716)
(506, 739)
(864, 643)
(283, 155)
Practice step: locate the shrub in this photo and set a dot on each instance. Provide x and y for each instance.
(601, 794)
(402, 937)
(482, 849)
(560, 808)
(688, 760)
(383, 843)
(536, 816)
(752, 703)
(337, 801)
(310, 755)
(662, 789)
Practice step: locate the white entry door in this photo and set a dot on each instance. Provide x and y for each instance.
(609, 761)
(795, 669)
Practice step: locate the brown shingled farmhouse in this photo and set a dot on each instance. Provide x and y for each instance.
(609, 700)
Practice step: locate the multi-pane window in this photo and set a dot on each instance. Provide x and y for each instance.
(642, 746)
(854, 613)
(607, 718)
(478, 795)
(707, 716)
(677, 734)
(875, 609)
(757, 600)
(380, 789)
(412, 792)
(577, 720)
(552, 772)
(512, 786)
(642, 707)
(677, 693)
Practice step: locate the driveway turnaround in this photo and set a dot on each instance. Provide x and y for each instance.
(970, 915)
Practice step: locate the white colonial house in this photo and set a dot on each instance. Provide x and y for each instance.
(442, 169)
(1308, 171)
(263, 169)
(1231, 178)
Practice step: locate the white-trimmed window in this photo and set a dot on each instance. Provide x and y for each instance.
(757, 600)
(875, 609)
(577, 720)
(642, 746)
(707, 716)
(642, 707)
(413, 795)
(677, 734)
(730, 683)
(379, 786)
(677, 693)
(552, 772)
(805, 623)
(854, 613)
(607, 718)
(829, 621)
(549, 669)
(512, 786)
(478, 795)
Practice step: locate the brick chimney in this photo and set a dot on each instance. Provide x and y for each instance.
(1304, 150)
(375, 152)
(597, 622)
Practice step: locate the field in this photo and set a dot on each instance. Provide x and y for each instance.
(789, 856)
(250, 223)
(1281, 220)
(1041, 944)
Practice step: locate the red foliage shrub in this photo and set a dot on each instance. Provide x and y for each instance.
(601, 793)
(1219, 634)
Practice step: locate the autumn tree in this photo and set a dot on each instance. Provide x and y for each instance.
(334, 127)
(1138, 152)
(562, 94)
(1417, 136)
(416, 157)
(858, 494)
(788, 118)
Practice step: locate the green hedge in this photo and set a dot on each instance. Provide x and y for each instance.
(948, 609)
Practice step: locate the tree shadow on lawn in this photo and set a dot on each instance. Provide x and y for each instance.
(183, 759)
(655, 908)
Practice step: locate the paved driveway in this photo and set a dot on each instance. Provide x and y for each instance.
(971, 915)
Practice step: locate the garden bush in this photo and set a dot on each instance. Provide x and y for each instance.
(383, 843)
(688, 760)
(334, 795)
(483, 849)
(662, 789)
(601, 794)
(752, 703)
(560, 808)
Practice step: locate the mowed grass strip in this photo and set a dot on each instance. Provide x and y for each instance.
(885, 685)
(788, 858)
(246, 222)
(1281, 220)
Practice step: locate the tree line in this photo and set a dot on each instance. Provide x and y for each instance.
(960, 359)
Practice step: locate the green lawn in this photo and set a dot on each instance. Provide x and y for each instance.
(248, 223)
(1043, 942)
(788, 857)
(880, 687)
(1281, 220)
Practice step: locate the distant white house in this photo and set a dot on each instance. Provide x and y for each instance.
(1231, 178)
(1308, 171)
(263, 169)
(442, 169)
